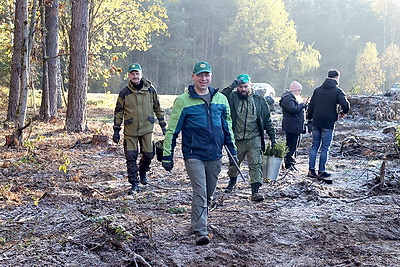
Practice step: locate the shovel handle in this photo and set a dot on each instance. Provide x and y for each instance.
(234, 162)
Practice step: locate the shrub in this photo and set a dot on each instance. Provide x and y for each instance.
(279, 150)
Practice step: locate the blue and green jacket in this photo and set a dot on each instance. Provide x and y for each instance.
(204, 129)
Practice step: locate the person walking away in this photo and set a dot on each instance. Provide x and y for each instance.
(293, 108)
(202, 114)
(136, 105)
(323, 113)
(250, 118)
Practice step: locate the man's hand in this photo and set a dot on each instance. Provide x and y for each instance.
(342, 115)
(168, 165)
(116, 137)
(164, 130)
(232, 161)
(235, 83)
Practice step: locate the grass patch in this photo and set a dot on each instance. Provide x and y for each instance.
(101, 100)
(107, 101)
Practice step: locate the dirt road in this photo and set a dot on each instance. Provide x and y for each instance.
(83, 217)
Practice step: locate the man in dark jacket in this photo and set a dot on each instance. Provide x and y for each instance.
(293, 121)
(250, 118)
(323, 113)
(136, 105)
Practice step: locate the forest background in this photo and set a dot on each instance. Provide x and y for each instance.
(63, 194)
(275, 41)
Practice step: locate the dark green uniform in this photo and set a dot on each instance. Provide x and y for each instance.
(250, 118)
(136, 107)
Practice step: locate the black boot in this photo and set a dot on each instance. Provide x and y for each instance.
(255, 196)
(132, 170)
(134, 188)
(144, 166)
(232, 183)
(143, 177)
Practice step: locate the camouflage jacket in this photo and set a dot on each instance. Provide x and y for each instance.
(136, 109)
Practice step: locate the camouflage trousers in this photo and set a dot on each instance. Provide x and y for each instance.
(252, 149)
(131, 149)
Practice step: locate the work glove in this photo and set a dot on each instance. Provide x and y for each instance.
(167, 165)
(232, 161)
(116, 137)
(235, 83)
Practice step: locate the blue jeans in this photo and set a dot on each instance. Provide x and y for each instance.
(322, 139)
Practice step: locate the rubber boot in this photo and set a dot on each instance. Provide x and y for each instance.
(134, 188)
(143, 178)
(232, 183)
(255, 196)
(132, 170)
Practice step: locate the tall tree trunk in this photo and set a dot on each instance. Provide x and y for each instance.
(60, 92)
(52, 45)
(45, 104)
(15, 82)
(23, 96)
(78, 67)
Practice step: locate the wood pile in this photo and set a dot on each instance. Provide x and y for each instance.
(378, 108)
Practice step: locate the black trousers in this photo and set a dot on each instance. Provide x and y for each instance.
(292, 141)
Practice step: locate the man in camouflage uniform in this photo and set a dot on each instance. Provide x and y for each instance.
(136, 105)
(250, 117)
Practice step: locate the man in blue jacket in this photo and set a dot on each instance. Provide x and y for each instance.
(323, 113)
(202, 114)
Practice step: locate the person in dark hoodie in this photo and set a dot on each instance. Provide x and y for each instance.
(293, 108)
(323, 113)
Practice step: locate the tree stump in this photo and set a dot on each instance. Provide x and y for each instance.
(12, 141)
(15, 139)
(100, 140)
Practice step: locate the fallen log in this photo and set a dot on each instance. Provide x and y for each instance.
(100, 140)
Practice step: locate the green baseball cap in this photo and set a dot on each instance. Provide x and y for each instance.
(134, 66)
(245, 78)
(201, 66)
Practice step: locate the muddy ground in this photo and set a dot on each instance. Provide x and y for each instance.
(63, 202)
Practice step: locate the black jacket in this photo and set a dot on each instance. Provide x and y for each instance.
(323, 106)
(293, 113)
